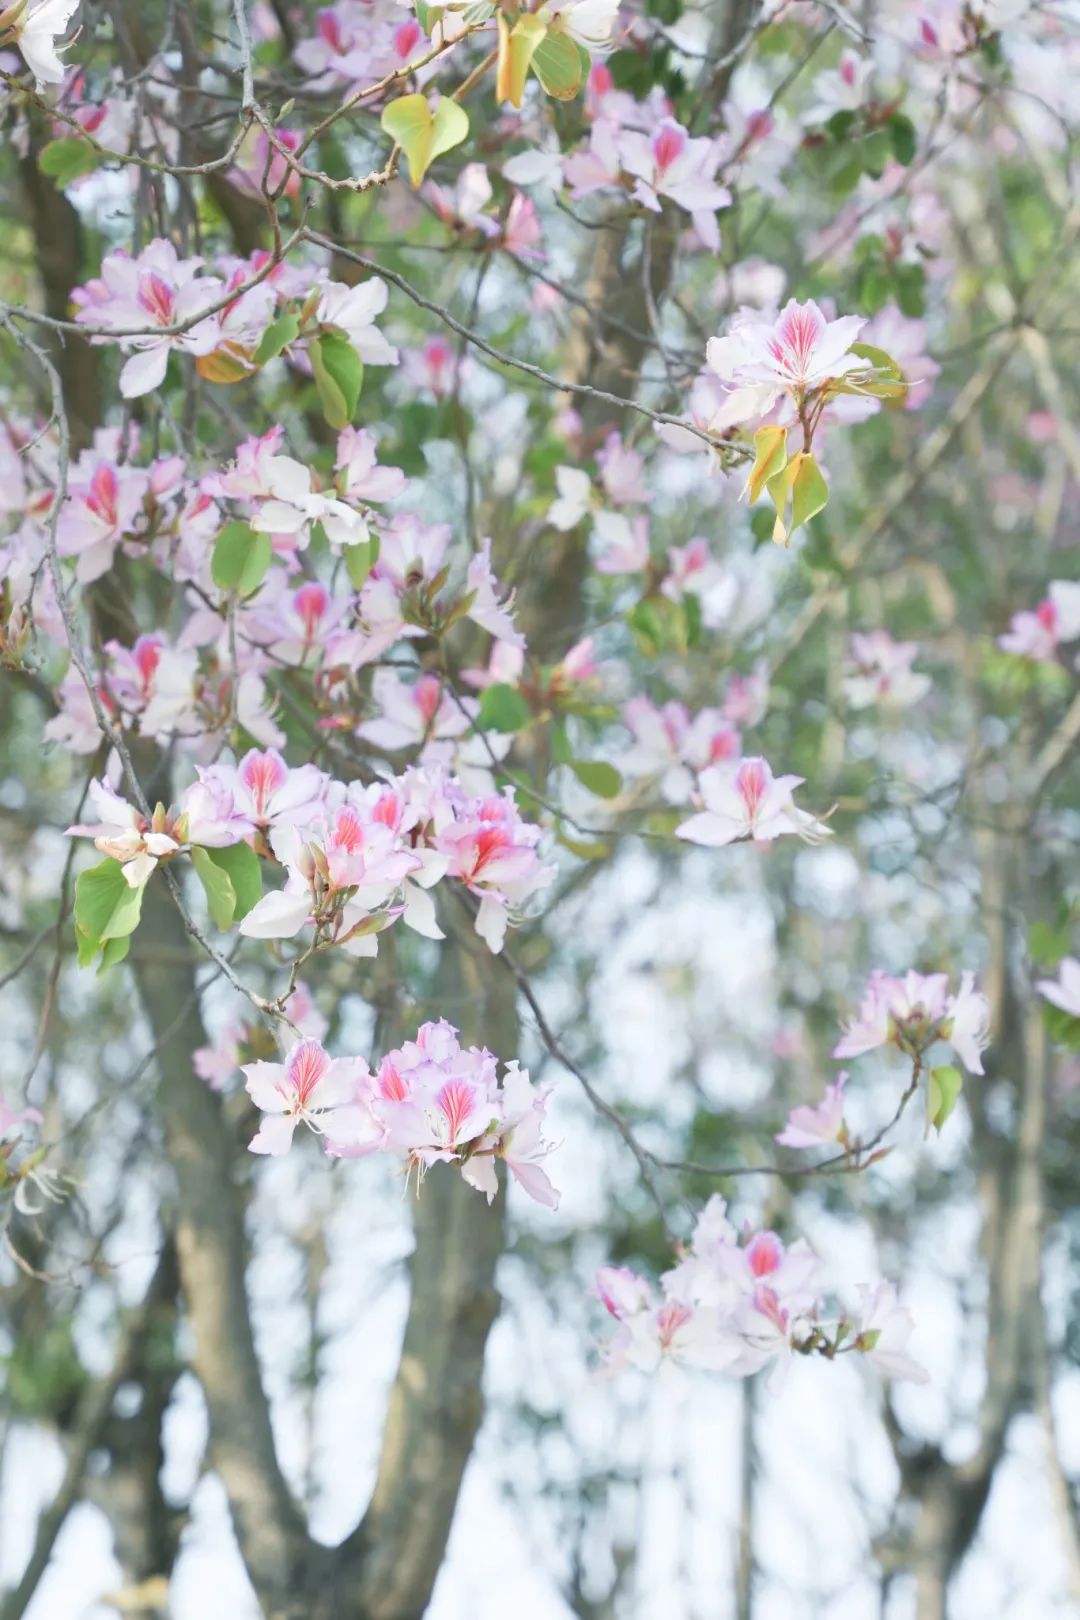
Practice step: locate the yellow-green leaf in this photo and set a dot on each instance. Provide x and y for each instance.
(942, 1094)
(517, 47)
(424, 135)
(770, 454)
(557, 64)
(809, 491)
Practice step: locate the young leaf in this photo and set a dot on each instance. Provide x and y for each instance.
(68, 159)
(220, 894)
(517, 47)
(942, 1094)
(449, 127)
(598, 776)
(278, 335)
(244, 870)
(241, 558)
(424, 135)
(770, 454)
(339, 375)
(502, 708)
(809, 491)
(106, 907)
(556, 61)
(360, 559)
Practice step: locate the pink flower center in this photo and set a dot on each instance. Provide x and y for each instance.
(764, 1253)
(307, 1065)
(310, 603)
(669, 1319)
(102, 496)
(455, 1102)
(668, 146)
(157, 298)
(752, 784)
(263, 775)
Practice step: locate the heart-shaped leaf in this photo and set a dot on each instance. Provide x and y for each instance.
(241, 559)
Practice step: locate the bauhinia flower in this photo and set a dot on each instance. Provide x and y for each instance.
(309, 1088)
(811, 1124)
(882, 1331)
(745, 800)
(881, 672)
(798, 354)
(125, 835)
(1039, 634)
(736, 1306)
(913, 1012)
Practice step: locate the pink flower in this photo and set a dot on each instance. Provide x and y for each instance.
(761, 360)
(810, 1125)
(492, 851)
(913, 1012)
(881, 672)
(270, 794)
(156, 289)
(747, 801)
(309, 1087)
(670, 163)
(882, 1332)
(1038, 635)
(1064, 991)
(360, 478)
(124, 835)
(101, 509)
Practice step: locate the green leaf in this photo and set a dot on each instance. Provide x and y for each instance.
(841, 123)
(243, 868)
(875, 151)
(1062, 1027)
(424, 135)
(220, 894)
(770, 456)
(241, 558)
(517, 47)
(598, 776)
(556, 61)
(68, 159)
(586, 849)
(942, 1094)
(657, 624)
(278, 335)
(502, 708)
(114, 951)
(809, 491)
(902, 138)
(360, 559)
(339, 375)
(106, 908)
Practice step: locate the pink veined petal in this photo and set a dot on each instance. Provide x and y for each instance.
(305, 1067)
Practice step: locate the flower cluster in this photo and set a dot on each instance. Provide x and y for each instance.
(355, 858)
(745, 800)
(913, 1012)
(736, 1304)
(431, 1101)
(155, 302)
